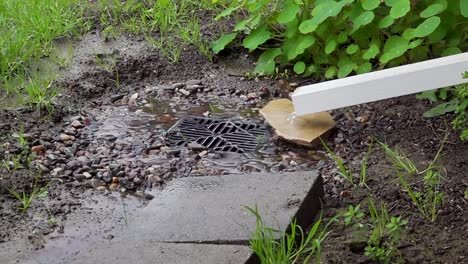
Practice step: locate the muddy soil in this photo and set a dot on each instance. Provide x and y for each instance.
(398, 122)
(103, 149)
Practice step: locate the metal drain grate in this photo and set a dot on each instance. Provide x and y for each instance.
(217, 134)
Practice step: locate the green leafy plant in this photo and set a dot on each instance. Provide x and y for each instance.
(383, 244)
(277, 247)
(451, 100)
(353, 216)
(429, 197)
(382, 233)
(335, 38)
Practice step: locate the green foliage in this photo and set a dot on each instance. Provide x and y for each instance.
(28, 29)
(383, 232)
(337, 38)
(347, 173)
(428, 198)
(277, 247)
(167, 25)
(454, 100)
(353, 215)
(27, 199)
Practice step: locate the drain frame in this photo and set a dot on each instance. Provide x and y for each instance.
(225, 135)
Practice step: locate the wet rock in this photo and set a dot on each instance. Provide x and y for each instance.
(79, 177)
(65, 137)
(76, 124)
(196, 147)
(43, 168)
(56, 171)
(362, 119)
(115, 97)
(177, 85)
(172, 152)
(184, 92)
(193, 82)
(39, 150)
(345, 194)
(137, 181)
(114, 186)
(133, 99)
(87, 175)
(154, 179)
(134, 173)
(97, 183)
(83, 160)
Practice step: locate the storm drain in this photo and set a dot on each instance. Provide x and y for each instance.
(217, 134)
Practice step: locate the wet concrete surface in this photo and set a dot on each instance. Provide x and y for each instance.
(142, 252)
(210, 210)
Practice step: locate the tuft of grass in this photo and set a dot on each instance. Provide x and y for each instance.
(347, 173)
(27, 199)
(29, 29)
(403, 163)
(429, 198)
(290, 248)
(41, 94)
(399, 159)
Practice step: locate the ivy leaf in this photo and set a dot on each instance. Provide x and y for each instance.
(266, 61)
(331, 72)
(427, 27)
(364, 68)
(345, 66)
(257, 37)
(242, 25)
(415, 43)
(442, 109)
(451, 51)
(311, 69)
(330, 47)
(304, 43)
(386, 22)
(288, 13)
(319, 14)
(394, 47)
(408, 33)
(296, 46)
(373, 50)
(436, 8)
(227, 12)
(327, 9)
(299, 67)
(370, 4)
(308, 26)
(430, 95)
(351, 49)
(400, 8)
(362, 20)
(464, 7)
(222, 42)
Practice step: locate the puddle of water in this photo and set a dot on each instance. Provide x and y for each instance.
(136, 125)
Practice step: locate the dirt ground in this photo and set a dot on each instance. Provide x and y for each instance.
(89, 88)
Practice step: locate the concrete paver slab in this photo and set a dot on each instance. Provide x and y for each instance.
(162, 253)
